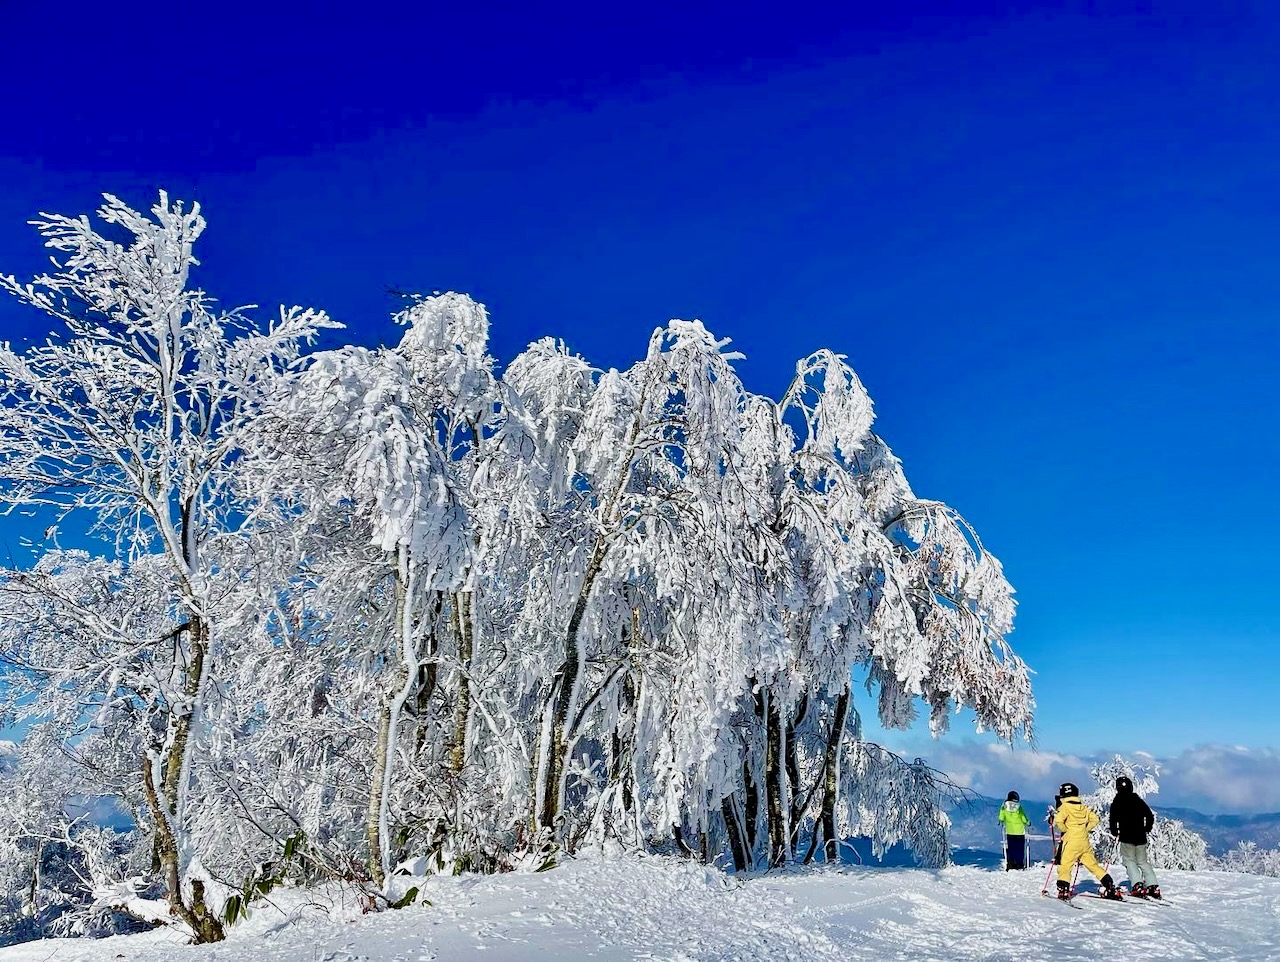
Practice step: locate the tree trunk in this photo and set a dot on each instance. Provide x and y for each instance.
(373, 815)
(829, 772)
(176, 758)
(621, 747)
(166, 802)
(750, 811)
(462, 706)
(751, 786)
(427, 676)
(773, 778)
(33, 902)
(795, 811)
(734, 833)
(401, 686)
(569, 672)
(633, 765)
(205, 926)
(630, 699)
(566, 696)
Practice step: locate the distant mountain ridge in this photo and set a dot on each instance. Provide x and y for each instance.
(974, 825)
(1224, 832)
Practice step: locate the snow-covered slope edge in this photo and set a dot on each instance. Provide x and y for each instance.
(653, 908)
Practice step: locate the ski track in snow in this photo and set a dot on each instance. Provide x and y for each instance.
(660, 910)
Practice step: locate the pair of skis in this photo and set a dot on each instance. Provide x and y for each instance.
(1071, 899)
(1148, 899)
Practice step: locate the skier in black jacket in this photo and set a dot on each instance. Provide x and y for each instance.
(1130, 821)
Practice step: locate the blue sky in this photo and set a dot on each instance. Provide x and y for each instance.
(1045, 236)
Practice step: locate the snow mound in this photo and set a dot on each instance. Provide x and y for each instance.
(662, 909)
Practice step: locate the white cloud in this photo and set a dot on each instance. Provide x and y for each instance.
(993, 768)
(1222, 779)
(1213, 779)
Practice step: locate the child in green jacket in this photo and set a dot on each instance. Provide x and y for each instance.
(1014, 821)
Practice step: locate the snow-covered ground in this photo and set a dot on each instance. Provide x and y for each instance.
(655, 909)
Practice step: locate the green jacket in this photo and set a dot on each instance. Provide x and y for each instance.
(1015, 820)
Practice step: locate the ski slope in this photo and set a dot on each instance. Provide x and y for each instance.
(661, 909)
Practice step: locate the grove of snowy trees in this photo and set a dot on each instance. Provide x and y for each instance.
(353, 612)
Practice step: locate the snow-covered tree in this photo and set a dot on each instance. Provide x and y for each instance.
(130, 414)
(57, 860)
(382, 446)
(1249, 858)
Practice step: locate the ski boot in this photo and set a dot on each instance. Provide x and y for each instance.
(1109, 889)
(1153, 892)
(1064, 889)
(1138, 889)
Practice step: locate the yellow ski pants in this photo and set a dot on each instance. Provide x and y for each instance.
(1078, 850)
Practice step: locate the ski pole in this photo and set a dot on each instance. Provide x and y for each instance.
(1004, 847)
(1053, 840)
(1047, 875)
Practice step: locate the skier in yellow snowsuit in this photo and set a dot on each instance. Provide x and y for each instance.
(1075, 821)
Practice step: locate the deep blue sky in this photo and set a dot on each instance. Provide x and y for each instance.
(1045, 235)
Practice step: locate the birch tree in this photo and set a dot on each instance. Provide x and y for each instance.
(130, 415)
(390, 437)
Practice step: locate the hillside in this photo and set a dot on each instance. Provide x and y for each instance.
(659, 909)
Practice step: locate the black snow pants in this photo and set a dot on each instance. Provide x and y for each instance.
(1016, 849)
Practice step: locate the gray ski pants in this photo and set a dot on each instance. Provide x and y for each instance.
(1136, 864)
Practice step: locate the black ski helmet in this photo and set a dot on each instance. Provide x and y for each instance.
(1123, 784)
(1067, 790)
(1012, 797)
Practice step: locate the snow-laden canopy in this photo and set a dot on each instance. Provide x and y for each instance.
(359, 606)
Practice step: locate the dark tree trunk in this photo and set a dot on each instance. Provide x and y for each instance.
(750, 811)
(566, 690)
(622, 744)
(751, 789)
(428, 676)
(174, 761)
(735, 834)
(164, 807)
(774, 774)
(829, 786)
(567, 675)
(793, 768)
